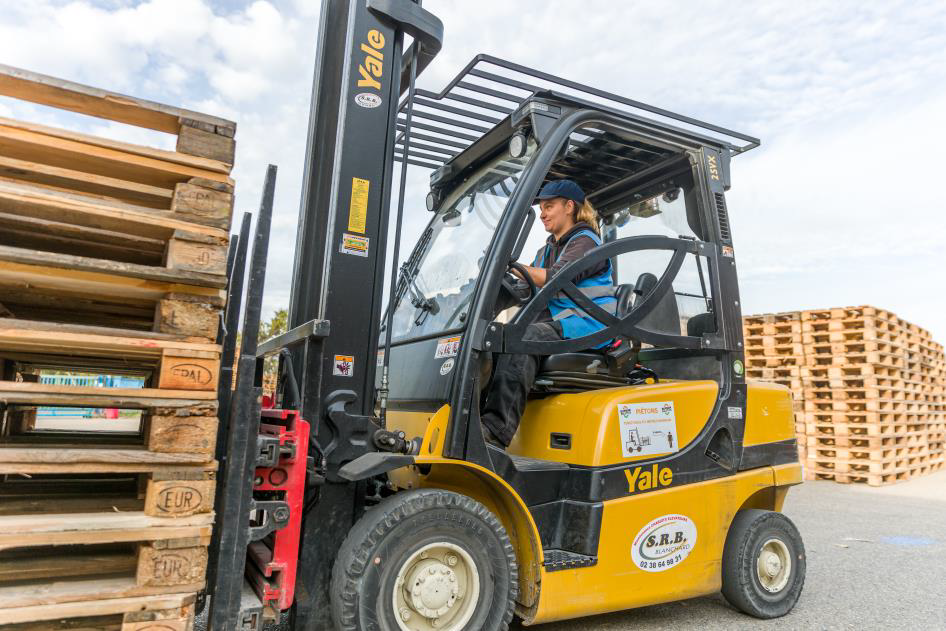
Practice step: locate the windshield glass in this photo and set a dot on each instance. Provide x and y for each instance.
(437, 292)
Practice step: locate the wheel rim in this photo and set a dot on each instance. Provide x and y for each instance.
(774, 565)
(436, 589)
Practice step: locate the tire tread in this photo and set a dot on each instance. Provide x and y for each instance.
(371, 529)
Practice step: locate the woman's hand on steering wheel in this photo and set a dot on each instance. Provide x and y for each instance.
(510, 284)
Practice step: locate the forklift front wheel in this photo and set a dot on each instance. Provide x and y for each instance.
(425, 560)
(763, 564)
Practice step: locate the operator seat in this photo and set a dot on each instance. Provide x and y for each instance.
(600, 368)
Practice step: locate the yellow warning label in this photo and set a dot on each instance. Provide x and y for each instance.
(358, 211)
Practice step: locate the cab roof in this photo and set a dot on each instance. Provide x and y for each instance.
(489, 91)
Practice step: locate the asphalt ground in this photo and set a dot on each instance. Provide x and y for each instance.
(876, 560)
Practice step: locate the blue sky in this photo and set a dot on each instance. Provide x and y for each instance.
(840, 205)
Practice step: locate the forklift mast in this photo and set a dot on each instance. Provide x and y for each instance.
(326, 385)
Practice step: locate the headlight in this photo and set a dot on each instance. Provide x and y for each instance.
(517, 145)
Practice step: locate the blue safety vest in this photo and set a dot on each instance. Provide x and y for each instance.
(599, 288)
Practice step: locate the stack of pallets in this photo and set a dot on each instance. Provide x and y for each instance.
(112, 273)
(868, 389)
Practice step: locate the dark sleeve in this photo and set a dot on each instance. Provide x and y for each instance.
(576, 248)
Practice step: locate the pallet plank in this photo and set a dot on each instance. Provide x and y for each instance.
(76, 97)
(98, 341)
(83, 598)
(41, 393)
(46, 260)
(102, 156)
(52, 205)
(18, 531)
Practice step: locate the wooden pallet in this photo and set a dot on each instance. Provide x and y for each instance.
(869, 388)
(100, 232)
(198, 134)
(165, 612)
(156, 565)
(112, 567)
(170, 361)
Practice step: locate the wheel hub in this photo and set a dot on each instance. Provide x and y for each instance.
(774, 565)
(437, 587)
(434, 588)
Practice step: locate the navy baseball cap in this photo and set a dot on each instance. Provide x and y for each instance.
(562, 188)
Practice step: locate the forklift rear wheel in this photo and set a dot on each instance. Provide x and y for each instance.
(425, 560)
(763, 564)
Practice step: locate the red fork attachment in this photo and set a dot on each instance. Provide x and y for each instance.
(284, 446)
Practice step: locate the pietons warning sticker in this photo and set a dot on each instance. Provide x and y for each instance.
(343, 366)
(648, 429)
(354, 244)
(664, 543)
(447, 347)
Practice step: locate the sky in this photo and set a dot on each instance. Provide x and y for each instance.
(839, 206)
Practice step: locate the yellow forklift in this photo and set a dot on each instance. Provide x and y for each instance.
(644, 472)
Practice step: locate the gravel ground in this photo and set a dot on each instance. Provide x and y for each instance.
(876, 560)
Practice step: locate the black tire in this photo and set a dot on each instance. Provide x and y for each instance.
(366, 568)
(750, 531)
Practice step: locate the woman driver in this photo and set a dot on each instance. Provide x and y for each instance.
(573, 226)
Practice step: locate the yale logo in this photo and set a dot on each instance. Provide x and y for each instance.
(644, 479)
(372, 67)
(713, 167)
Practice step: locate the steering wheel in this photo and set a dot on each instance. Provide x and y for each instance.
(510, 280)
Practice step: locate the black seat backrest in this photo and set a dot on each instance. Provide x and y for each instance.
(625, 296)
(664, 317)
(701, 323)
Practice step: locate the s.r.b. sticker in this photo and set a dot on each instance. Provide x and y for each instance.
(663, 543)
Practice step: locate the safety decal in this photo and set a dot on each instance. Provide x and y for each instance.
(446, 367)
(353, 244)
(663, 543)
(380, 358)
(734, 413)
(358, 207)
(728, 252)
(648, 429)
(447, 347)
(344, 366)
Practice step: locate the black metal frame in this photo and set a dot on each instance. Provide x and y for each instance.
(337, 290)
(227, 338)
(464, 436)
(502, 86)
(235, 480)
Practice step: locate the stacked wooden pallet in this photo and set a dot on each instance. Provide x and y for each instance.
(868, 387)
(112, 263)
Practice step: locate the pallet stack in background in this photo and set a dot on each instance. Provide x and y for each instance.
(869, 390)
(112, 282)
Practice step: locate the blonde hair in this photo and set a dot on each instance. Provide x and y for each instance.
(587, 213)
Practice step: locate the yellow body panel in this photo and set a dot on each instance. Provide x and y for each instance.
(769, 416)
(592, 420)
(614, 583)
